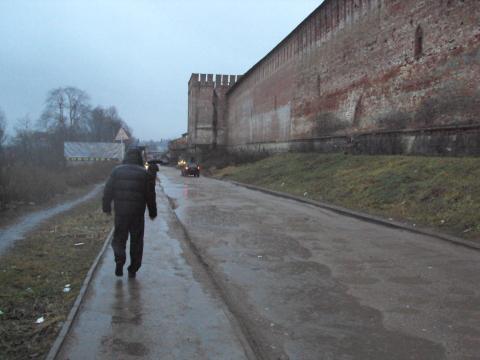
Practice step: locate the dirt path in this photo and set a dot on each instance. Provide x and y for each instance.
(12, 233)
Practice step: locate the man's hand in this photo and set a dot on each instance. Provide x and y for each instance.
(152, 215)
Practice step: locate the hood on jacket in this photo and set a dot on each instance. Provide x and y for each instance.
(133, 156)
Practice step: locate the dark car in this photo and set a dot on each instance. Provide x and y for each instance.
(191, 168)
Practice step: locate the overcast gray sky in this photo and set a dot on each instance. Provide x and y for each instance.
(134, 54)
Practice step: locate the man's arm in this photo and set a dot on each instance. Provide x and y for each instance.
(108, 195)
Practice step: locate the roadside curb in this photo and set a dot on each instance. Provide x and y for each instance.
(249, 345)
(57, 345)
(362, 216)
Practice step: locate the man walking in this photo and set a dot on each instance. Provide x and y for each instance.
(132, 191)
(152, 170)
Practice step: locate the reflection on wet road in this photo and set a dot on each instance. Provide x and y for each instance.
(312, 284)
(284, 279)
(16, 232)
(168, 312)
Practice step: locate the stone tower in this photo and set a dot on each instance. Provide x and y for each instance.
(206, 110)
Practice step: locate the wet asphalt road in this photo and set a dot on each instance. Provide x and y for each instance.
(291, 280)
(170, 311)
(311, 284)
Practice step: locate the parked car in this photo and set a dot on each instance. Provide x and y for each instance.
(191, 169)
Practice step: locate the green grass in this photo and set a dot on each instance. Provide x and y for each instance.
(441, 193)
(34, 272)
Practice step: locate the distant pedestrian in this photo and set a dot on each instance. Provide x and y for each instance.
(152, 171)
(131, 190)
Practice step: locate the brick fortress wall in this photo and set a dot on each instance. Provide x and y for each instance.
(375, 76)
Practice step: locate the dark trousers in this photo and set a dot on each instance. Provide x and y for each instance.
(133, 225)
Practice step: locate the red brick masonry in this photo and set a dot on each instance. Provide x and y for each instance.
(374, 76)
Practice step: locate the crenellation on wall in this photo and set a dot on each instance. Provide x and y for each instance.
(212, 80)
(313, 32)
(225, 79)
(359, 66)
(194, 78)
(206, 109)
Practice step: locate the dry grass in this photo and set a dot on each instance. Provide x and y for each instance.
(28, 183)
(441, 193)
(34, 273)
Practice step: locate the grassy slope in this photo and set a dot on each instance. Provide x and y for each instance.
(443, 193)
(34, 272)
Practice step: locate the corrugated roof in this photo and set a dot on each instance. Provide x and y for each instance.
(93, 150)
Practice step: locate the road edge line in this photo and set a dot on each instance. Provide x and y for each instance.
(57, 345)
(360, 215)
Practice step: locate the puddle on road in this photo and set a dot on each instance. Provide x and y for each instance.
(17, 231)
(176, 193)
(174, 190)
(172, 202)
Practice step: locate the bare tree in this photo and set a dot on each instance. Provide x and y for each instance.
(24, 124)
(78, 106)
(53, 115)
(105, 123)
(23, 138)
(66, 111)
(3, 173)
(3, 128)
(112, 114)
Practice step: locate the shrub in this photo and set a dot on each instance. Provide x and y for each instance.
(221, 159)
(29, 183)
(26, 183)
(81, 175)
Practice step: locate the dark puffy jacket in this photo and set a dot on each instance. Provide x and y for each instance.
(130, 189)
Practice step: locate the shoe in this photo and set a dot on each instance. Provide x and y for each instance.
(119, 270)
(131, 274)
